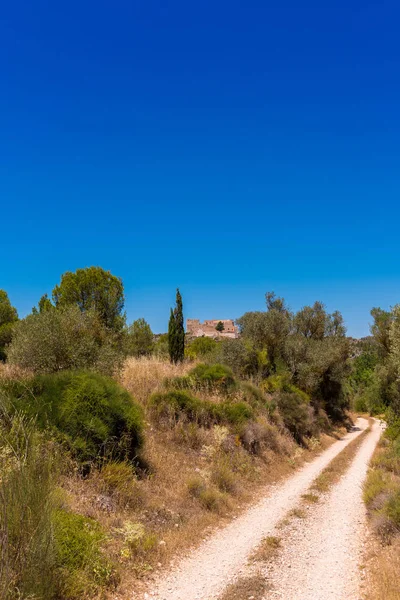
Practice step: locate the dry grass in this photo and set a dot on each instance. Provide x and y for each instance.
(310, 498)
(13, 372)
(267, 550)
(382, 484)
(253, 587)
(384, 574)
(144, 376)
(298, 513)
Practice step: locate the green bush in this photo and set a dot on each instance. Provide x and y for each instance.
(360, 404)
(82, 564)
(296, 415)
(282, 383)
(213, 376)
(200, 347)
(176, 405)
(94, 415)
(253, 395)
(66, 338)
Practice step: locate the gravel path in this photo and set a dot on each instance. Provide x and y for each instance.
(321, 558)
(205, 573)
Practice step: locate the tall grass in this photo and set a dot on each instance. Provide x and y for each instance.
(144, 376)
(26, 506)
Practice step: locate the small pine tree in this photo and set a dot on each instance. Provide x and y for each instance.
(176, 332)
(220, 326)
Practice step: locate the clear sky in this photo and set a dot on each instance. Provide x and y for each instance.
(228, 148)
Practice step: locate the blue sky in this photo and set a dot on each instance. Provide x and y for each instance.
(228, 148)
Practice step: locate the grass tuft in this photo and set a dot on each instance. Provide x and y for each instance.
(267, 549)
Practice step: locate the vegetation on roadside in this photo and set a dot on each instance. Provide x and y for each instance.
(133, 444)
(374, 385)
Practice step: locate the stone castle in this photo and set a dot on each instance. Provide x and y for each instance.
(207, 329)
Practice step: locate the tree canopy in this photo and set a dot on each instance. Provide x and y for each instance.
(8, 318)
(93, 288)
(140, 338)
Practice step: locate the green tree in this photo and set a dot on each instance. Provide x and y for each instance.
(8, 318)
(44, 304)
(311, 321)
(176, 332)
(268, 330)
(220, 326)
(140, 338)
(380, 329)
(93, 288)
(394, 339)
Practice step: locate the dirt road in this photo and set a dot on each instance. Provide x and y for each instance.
(206, 572)
(321, 558)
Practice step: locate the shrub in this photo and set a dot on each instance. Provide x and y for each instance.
(200, 347)
(61, 339)
(80, 560)
(234, 412)
(96, 417)
(259, 435)
(296, 414)
(360, 404)
(176, 405)
(211, 499)
(223, 477)
(191, 435)
(213, 377)
(253, 395)
(392, 509)
(239, 356)
(196, 486)
(136, 539)
(282, 383)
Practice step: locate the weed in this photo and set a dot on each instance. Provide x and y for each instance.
(267, 549)
(223, 477)
(196, 487)
(136, 539)
(119, 480)
(253, 586)
(310, 498)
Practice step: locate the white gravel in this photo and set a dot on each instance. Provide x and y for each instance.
(321, 558)
(205, 572)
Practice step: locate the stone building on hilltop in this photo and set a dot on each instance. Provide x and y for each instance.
(208, 328)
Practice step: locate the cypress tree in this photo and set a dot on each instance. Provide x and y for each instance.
(180, 328)
(172, 337)
(176, 332)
